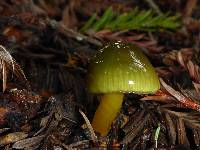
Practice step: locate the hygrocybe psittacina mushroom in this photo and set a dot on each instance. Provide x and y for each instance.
(116, 69)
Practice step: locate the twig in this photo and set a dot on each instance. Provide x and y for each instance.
(7, 62)
(180, 97)
(191, 4)
(67, 147)
(192, 120)
(73, 34)
(93, 136)
(171, 128)
(153, 5)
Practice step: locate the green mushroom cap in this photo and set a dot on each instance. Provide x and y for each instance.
(120, 67)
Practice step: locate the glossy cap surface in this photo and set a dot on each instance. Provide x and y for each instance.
(120, 67)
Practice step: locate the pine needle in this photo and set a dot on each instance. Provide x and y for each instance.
(142, 20)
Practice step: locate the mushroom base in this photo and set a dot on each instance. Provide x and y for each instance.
(107, 111)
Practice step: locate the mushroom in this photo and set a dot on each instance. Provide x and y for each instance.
(116, 69)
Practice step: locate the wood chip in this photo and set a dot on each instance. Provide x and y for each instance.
(12, 137)
(29, 142)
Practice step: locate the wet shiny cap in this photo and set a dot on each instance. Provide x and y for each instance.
(120, 67)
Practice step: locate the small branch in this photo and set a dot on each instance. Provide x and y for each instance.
(153, 5)
(93, 136)
(73, 34)
(180, 97)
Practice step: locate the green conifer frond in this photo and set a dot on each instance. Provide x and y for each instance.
(142, 20)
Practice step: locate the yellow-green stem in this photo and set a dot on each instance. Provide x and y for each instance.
(107, 111)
